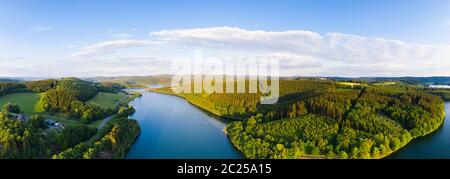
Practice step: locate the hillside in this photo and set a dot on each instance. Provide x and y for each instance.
(410, 80)
(39, 119)
(28, 102)
(135, 81)
(82, 90)
(320, 118)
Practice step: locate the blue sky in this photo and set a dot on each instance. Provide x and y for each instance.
(46, 31)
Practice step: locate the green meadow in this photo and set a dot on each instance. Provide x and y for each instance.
(108, 100)
(28, 102)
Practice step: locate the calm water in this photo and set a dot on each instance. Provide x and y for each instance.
(174, 129)
(440, 86)
(171, 128)
(433, 146)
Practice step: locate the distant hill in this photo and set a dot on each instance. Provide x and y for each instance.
(134, 81)
(145, 81)
(83, 90)
(19, 79)
(8, 80)
(409, 80)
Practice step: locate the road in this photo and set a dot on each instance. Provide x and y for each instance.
(104, 121)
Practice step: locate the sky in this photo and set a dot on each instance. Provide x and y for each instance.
(353, 38)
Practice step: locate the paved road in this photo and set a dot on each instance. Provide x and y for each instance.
(103, 123)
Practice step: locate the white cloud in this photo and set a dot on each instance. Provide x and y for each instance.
(299, 52)
(236, 38)
(6, 59)
(101, 47)
(38, 28)
(292, 61)
(120, 33)
(334, 50)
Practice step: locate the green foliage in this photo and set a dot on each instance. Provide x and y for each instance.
(88, 113)
(41, 86)
(110, 87)
(112, 144)
(58, 100)
(18, 140)
(28, 102)
(64, 101)
(94, 112)
(81, 90)
(11, 87)
(34, 139)
(288, 138)
(319, 118)
(108, 100)
(12, 108)
(72, 135)
(121, 137)
(297, 98)
(124, 112)
(330, 122)
(37, 122)
(443, 93)
(136, 81)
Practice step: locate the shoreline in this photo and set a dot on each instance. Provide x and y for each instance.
(218, 117)
(419, 137)
(196, 105)
(382, 157)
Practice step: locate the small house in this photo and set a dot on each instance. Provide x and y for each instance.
(21, 117)
(50, 122)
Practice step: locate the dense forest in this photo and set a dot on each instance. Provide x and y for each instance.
(111, 142)
(314, 118)
(41, 86)
(134, 81)
(327, 119)
(409, 80)
(443, 93)
(68, 96)
(31, 136)
(11, 87)
(19, 139)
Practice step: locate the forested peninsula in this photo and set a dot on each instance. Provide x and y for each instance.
(327, 118)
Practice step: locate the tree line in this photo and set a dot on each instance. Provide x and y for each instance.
(31, 139)
(114, 142)
(339, 123)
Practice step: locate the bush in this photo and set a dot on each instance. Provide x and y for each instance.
(81, 90)
(11, 87)
(12, 108)
(58, 100)
(41, 86)
(124, 112)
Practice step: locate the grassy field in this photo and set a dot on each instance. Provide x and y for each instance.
(108, 100)
(62, 119)
(351, 84)
(95, 123)
(384, 83)
(28, 102)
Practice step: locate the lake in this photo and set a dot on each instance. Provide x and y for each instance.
(433, 146)
(440, 86)
(172, 128)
